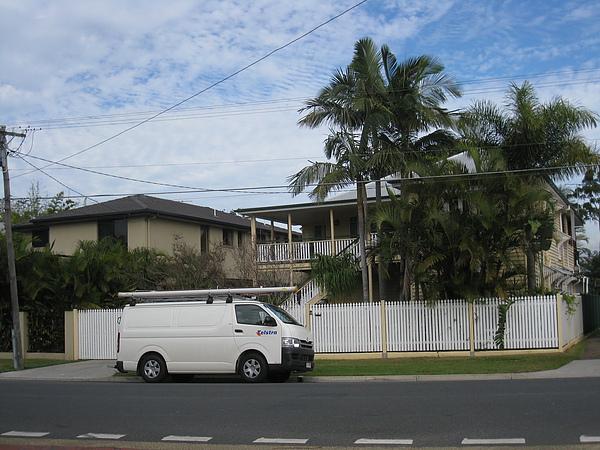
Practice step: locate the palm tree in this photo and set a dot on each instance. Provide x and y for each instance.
(416, 89)
(351, 105)
(377, 111)
(543, 138)
(538, 139)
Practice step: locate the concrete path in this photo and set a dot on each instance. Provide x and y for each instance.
(95, 370)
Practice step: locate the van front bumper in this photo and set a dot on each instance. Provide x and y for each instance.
(295, 360)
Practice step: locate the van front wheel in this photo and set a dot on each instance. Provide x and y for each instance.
(153, 368)
(253, 368)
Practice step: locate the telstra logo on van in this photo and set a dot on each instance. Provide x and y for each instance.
(265, 332)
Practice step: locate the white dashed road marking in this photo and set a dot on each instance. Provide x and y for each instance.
(279, 441)
(100, 436)
(30, 434)
(384, 441)
(186, 438)
(467, 441)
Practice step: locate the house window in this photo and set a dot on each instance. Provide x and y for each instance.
(565, 224)
(203, 239)
(40, 238)
(353, 226)
(240, 239)
(319, 231)
(227, 237)
(116, 229)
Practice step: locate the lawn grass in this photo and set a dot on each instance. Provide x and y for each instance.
(447, 365)
(7, 365)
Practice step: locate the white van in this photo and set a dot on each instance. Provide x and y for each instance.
(181, 335)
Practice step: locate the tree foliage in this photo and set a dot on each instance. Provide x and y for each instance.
(36, 205)
(458, 234)
(91, 277)
(536, 137)
(336, 275)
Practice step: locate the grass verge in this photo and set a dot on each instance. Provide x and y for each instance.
(7, 365)
(447, 365)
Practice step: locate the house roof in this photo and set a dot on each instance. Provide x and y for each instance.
(303, 213)
(136, 205)
(345, 202)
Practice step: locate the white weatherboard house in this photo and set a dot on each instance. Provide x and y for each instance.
(330, 227)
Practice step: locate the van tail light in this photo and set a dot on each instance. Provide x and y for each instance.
(118, 342)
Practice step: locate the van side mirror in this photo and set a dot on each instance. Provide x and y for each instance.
(270, 322)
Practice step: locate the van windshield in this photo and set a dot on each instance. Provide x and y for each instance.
(283, 315)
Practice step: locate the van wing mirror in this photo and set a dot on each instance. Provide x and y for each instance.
(270, 322)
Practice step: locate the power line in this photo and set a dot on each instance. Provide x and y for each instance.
(236, 109)
(264, 190)
(53, 178)
(186, 164)
(247, 190)
(197, 189)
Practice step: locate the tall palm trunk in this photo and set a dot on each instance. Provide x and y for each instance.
(405, 294)
(362, 247)
(380, 268)
(530, 261)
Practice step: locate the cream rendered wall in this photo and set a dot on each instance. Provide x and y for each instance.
(161, 234)
(137, 232)
(65, 237)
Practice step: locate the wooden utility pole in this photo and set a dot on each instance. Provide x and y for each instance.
(10, 250)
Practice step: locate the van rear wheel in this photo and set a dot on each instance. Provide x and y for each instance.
(253, 368)
(153, 368)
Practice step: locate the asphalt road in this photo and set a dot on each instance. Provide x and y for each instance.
(445, 413)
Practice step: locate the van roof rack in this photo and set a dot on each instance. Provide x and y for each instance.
(192, 294)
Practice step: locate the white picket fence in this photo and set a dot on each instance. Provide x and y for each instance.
(415, 327)
(98, 329)
(532, 323)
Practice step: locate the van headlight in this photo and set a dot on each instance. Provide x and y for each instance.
(290, 342)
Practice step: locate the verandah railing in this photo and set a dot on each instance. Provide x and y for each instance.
(303, 251)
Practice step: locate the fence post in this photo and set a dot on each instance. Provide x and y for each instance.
(71, 335)
(383, 331)
(471, 329)
(307, 315)
(559, 320)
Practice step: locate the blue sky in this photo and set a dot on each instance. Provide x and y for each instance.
(108, 65)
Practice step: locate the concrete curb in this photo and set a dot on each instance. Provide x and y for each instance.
(104, 371)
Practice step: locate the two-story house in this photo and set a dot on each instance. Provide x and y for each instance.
(150, 222)
(330, 227)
